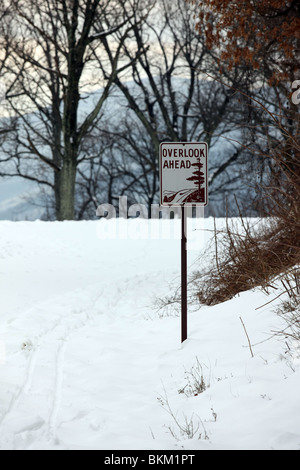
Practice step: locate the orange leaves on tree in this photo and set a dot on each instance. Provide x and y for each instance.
(250, 31)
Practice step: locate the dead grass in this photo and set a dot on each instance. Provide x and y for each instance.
(248, 258)
(257, 256)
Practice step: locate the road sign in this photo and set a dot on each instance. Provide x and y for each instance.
(183, 182)
(183, 173)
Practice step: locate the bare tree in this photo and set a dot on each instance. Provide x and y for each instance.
(52, 60)
(6, 125)
(167, 97)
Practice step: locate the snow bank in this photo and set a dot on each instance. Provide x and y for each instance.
(87, 361)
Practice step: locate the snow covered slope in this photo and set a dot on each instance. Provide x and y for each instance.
(87, 361)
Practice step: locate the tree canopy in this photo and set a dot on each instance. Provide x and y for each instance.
(255, 33)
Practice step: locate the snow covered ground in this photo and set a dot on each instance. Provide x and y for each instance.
(88, 362)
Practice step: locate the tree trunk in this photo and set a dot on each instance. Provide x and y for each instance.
(65, 191)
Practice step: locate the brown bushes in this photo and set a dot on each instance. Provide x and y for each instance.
(248, 258)
(256, 256)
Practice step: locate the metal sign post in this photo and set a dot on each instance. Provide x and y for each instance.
(183, 276)
(183, 182)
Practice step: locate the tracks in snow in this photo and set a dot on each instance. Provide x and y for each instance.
(43, 377)
(43, 404)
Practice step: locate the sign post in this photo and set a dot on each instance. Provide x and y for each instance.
(183, 276)
(183, 182)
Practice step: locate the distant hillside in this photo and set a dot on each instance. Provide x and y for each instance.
(16, 200)
(21, 199)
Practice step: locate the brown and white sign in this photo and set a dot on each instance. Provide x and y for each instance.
(183, 173)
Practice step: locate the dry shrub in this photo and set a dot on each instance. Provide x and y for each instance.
(248, 258)
(289, 308)
(253, 256)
